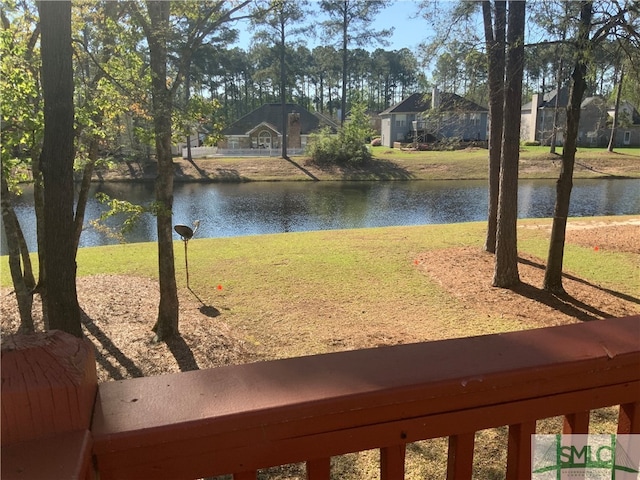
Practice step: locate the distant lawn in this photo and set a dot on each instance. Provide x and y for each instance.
(535, 162)
(584, 152)
(525, 153)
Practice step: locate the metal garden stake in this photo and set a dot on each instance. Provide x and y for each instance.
(186, 233)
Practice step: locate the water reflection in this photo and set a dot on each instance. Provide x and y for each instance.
(258, 208)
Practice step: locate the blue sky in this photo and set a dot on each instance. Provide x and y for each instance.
(408, 32)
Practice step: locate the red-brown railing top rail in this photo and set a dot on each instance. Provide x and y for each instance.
(184, 422)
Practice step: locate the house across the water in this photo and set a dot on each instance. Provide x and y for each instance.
(539, 116)
(262, 128)
(437, 116)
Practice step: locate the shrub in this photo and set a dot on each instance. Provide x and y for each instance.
(348, 146)
(323, 147)
(531, 143)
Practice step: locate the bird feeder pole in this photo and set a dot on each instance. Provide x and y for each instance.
(186, 234)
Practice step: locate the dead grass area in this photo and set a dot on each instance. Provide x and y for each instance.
(420, 165)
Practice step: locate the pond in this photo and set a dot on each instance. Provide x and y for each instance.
(227, 210)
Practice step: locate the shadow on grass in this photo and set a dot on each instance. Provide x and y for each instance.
(608, 291)
(202, 173)
(182, 353)
(302, 169)
(566, 303)
(376, 169)
(115, 353)
(230, 175)
(208, 310)
(177, 346)
(180, 174)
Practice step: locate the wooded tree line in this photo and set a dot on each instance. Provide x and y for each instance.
(153, 69)
(459, 54)
(243, 80)
(224, 82)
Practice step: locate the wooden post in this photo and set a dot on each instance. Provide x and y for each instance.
(392, 462)
(319, 469)
(49, 386)
(460, 458)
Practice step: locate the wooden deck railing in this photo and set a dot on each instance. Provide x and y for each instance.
(239, 419)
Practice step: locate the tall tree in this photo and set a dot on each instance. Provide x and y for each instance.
(494, 31)
(553, 272)
(159, 31)
(96, 102)
(22, 277)
(156, 31)
(506, 256)
(351, 20)
(616, 116)
(57, 166)
(613, 18)
(22, 129)
(279, 26)
(326, 61)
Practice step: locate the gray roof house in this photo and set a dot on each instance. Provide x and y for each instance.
(628, 131)
(262, 128)
(438, 115)
(537, 121)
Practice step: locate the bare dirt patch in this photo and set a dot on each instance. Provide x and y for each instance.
(463, 272)
(118, 314)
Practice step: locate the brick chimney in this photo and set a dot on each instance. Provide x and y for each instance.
(435, 98)
(293, 132)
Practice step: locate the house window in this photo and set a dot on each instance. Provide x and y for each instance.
(627, 138)
(401, 121)
(264, 139)
(474, 119)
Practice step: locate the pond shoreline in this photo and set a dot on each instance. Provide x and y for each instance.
(466, 166)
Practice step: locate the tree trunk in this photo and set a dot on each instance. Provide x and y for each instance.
(506, 265)
(614, 126)
(85, 186)
(23, 292)
(553, 272)
(283, 91)
(496, 51)
(167, 323)
(187, 97)
(345, 56)
(38, 200)
(556, 109)
(56, 161)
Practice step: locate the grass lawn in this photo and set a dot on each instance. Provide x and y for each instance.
(526, 152)
(291, 293)
(535, 162)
